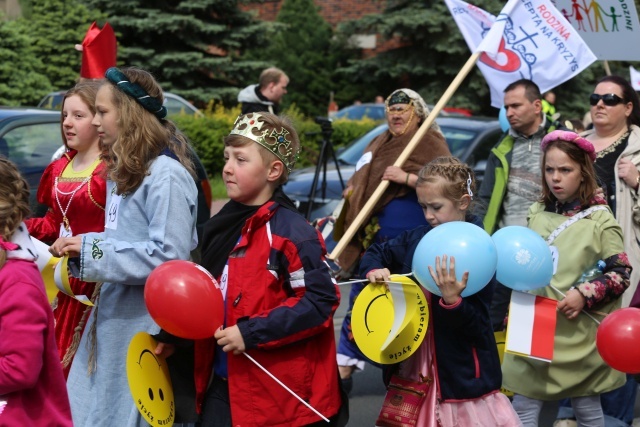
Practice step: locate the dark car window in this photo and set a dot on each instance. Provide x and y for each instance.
(458, 139)
(353, 152)
(30, 147)
(175, 106)
(357, 112)
(52, 101)
(483, 148)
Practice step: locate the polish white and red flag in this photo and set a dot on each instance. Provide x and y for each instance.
(529, 39)
(532, 326)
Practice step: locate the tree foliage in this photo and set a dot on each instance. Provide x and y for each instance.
(302, 48)
(430, 53)
(21, 82)
(193, 47)
(40, 48)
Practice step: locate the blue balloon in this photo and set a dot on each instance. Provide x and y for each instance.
(524, 258)
(471, 247)
(502, 118)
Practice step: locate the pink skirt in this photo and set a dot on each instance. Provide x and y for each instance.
(490, 410)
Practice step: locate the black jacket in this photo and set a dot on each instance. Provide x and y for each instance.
(466, 352)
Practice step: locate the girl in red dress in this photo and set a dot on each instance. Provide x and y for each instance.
(74, 188)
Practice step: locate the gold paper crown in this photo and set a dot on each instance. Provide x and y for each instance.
(275, 142)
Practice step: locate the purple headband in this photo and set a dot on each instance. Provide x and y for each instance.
(565, 135)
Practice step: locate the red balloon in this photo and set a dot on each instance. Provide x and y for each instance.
(618, 340)
(184, 299)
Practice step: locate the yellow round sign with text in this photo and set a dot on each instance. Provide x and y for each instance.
(389, 322)
(149, 381)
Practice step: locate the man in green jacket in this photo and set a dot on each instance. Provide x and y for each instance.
(512, 179)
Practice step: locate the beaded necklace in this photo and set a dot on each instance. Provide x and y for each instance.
(65, 220)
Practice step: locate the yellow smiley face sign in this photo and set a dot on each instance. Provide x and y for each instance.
(390, 324)
(149, 381)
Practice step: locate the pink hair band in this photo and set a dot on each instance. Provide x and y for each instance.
(565, 135)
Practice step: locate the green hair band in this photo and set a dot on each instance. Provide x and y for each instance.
(136, 92)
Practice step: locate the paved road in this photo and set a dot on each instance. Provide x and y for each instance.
(368, 390)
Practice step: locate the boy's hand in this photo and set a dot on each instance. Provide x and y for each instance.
(572, 304)
(230, 339)
(165, 350)
(446, 280)
(379, 275)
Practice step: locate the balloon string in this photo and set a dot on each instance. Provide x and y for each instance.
(366, 280)
(286, 388)
(581, 311)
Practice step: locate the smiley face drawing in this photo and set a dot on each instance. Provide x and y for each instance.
(149, 381)
(390, 324)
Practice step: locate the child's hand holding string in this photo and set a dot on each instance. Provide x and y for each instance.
(230, 339)
(446, 280)
(379, 275)
(572, 303)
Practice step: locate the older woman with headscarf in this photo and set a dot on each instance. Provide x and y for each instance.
(615, 114)
(398, 209)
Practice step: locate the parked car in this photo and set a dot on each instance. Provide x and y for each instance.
(377, 112)
(360, 111)
(175, 104)
(29, 137)
(469, 139)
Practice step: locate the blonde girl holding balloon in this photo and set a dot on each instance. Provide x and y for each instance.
(570, 190)
(459, 354)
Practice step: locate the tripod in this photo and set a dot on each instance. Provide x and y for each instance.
(326, 150)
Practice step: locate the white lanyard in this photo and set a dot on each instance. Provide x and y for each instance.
(572, 220)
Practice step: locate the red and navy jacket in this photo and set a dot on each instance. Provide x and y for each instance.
(466, 354)
(282, 297)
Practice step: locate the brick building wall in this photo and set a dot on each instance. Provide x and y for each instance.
(10, 8)
(333, 11)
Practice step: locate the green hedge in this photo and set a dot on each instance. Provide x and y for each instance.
(206, 134)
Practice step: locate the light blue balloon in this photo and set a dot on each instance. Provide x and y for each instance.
(524, 258)
(502, 118)
(471, 247)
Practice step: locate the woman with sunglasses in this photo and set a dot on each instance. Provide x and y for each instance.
(615, 112)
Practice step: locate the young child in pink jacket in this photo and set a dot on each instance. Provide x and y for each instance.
(32, 387)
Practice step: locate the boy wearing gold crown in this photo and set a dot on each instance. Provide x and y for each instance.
(279, 294)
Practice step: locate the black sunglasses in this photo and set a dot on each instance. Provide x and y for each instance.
(609, 99)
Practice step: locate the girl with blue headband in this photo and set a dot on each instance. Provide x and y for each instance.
(150, 219)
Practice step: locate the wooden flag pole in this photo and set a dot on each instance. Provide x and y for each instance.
(368, 207)
(606, 67)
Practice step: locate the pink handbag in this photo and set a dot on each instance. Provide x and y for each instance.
(413, 402)
(404, 401)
